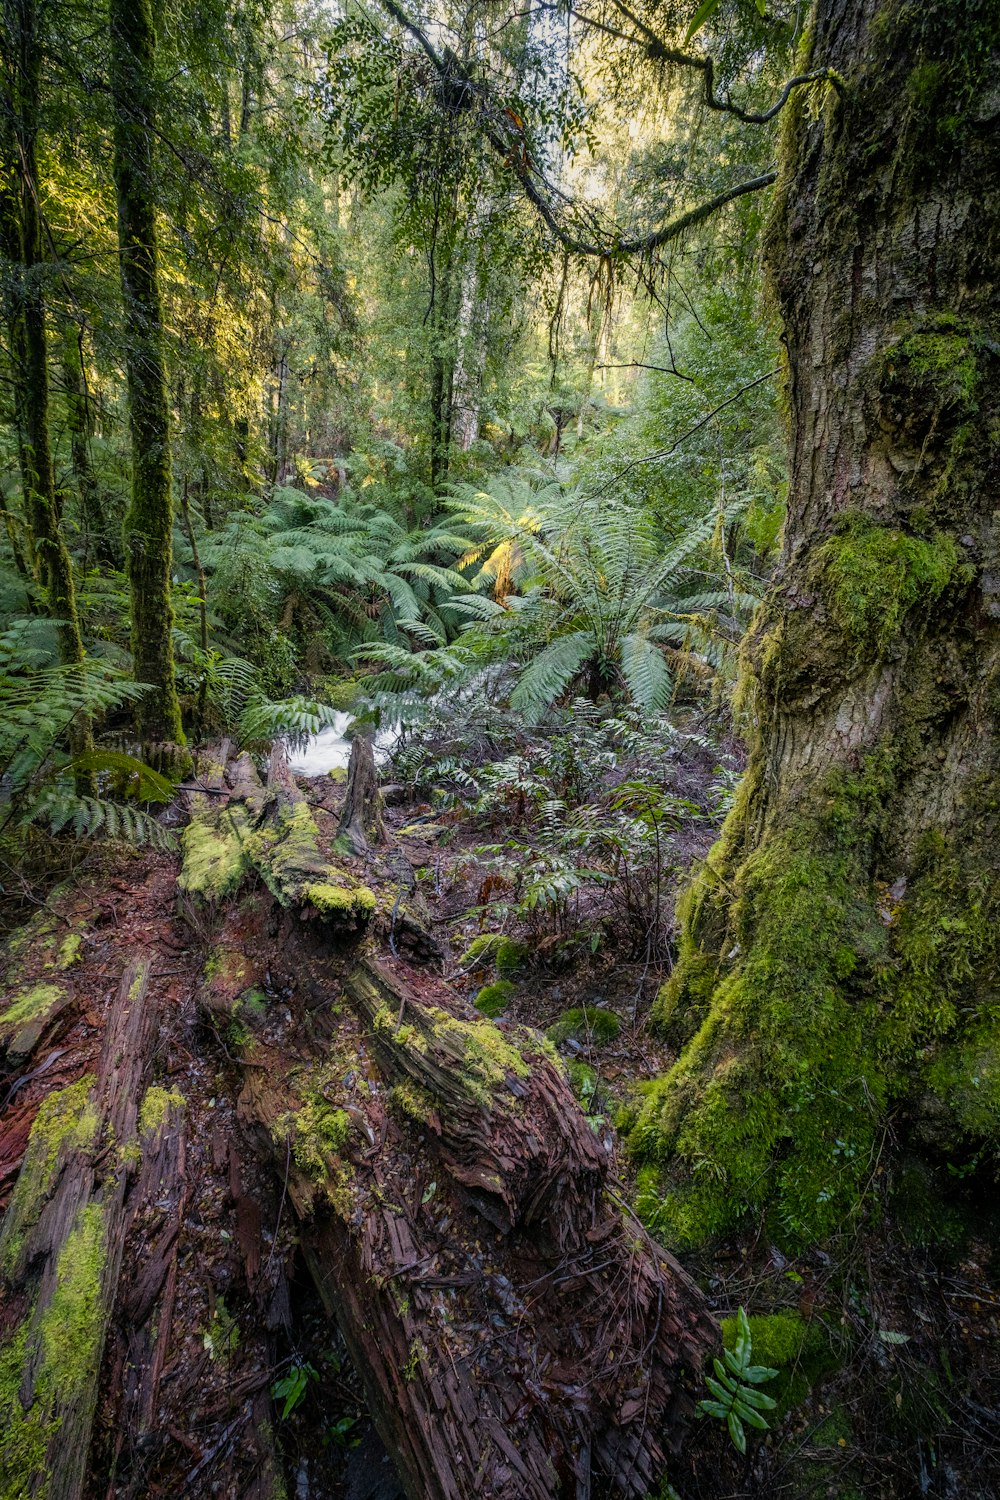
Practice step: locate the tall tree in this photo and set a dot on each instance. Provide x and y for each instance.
(148, 524)
(21, 236)
(840, 948)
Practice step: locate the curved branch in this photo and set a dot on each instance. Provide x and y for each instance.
(658, 51)
(508, 141)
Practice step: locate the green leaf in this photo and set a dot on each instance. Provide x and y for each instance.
(747, 1414)
(759, 1399)
(736, 1432)
(724, 1393)
(705, 11)
(757, 1374)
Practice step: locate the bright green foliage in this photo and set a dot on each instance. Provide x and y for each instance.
(800, 1350)
(30, 1005)
(318, 1132)
(736, 1399)
(214, 859)
(157, 1102)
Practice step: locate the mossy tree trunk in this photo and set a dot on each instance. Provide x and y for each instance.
(837, 984)
(150, 516)
(21, 237)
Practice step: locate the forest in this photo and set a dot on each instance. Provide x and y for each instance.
(500, 749)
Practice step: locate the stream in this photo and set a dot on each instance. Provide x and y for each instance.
(330, 749)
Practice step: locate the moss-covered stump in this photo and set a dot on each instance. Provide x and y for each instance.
(37, 997)
(238, 825)
(839, 967)
(518, 1332)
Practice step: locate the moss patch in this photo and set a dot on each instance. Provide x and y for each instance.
(493, 999)
(318, 1132)
(332, 900)
(586, 1024)
(67, 1121)
(214, 858)
(798, 1350)
(157, 1103)
(30, 1005)
(872, 576)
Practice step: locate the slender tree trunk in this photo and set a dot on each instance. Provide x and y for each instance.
(21, 229)
(92, 503)
(840, 948)
(149, 521)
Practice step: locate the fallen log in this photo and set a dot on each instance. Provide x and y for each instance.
(517, 1331)
(60, 1254)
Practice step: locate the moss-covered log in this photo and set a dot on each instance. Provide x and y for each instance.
(518, 1332)
(61, 1246)
(841, 945)
(239, 824)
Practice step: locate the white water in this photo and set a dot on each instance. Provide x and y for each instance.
(329, 750)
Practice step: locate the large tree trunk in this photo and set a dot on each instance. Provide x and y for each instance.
(839, 949)
(149, 520)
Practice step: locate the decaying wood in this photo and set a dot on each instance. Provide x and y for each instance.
(61, 1249)
(518, 1332)
(361, 818)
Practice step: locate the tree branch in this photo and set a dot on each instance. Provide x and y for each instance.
(507, 140)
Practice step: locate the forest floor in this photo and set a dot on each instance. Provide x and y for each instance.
(217, 1309)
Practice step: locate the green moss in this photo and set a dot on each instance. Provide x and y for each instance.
(493, 999)
(778, 1096)
(157, 1102)
(487, 1057)
(31, 1005)
(318, 1132)
(24, 1434)
(586, 1024)
(482, 947)
(583, 1079)
(72, 1325)
(798, 1350)
(69, 951)
(872, 576)
(214, 858)
(340, 900)
(414, 1102)
(252, 1005)
(511, 957)
(66, 1121)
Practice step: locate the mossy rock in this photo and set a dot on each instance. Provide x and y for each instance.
(493, 999)
(799, 1350)
(510, 957)
(586, 1024)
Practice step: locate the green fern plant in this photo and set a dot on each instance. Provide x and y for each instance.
(595, 586)
(40, 702)
(735, 1395)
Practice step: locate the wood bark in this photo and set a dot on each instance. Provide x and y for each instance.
(518, 1332)
(839, 950)
(361, 818)
(61, 1250)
